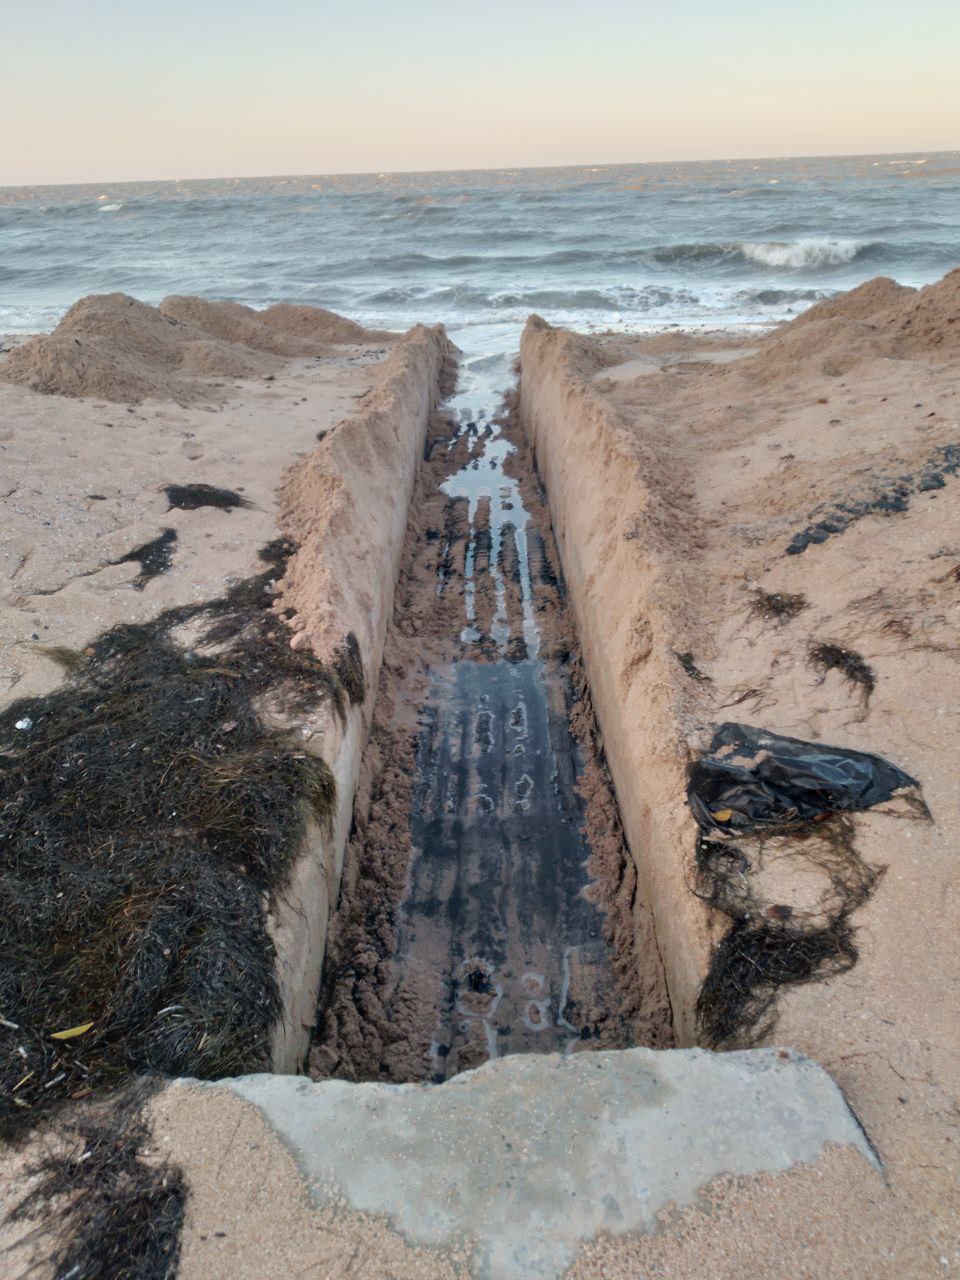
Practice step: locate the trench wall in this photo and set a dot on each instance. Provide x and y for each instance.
(346, 506)
(616, 545)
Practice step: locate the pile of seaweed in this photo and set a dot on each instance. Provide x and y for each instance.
(759, 798)
(149, 809)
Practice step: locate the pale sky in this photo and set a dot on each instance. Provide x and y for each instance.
(109, 90)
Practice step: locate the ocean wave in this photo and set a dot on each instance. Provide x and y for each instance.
(466, 296)
(795, 255)
(698, 251)
(406, 262)
(110, 208)
(798, 254)
(781, 297)
(557, 299)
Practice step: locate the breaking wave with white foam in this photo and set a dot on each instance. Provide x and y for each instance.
(809, 253)
(797, 254)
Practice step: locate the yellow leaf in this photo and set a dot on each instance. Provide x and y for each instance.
(71, 1032)
(723, 815)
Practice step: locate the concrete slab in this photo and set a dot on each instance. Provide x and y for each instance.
(521, 1161)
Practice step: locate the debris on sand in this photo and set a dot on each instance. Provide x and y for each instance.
(66, 658)
(153, 557)
(100, 1206)
(837, 657)
(690, 667)
(751, 779)
(773, 818)
(778, 606)
(888, 497)
(191, 497)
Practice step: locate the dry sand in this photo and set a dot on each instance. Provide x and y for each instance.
(81, 480)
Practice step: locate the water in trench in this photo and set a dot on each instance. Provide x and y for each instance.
(483, 934)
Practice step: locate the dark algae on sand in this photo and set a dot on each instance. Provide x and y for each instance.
(118, 1215)
(191, 497)
(153, 557)
(889, 497)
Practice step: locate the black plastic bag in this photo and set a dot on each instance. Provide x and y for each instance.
(762, 779)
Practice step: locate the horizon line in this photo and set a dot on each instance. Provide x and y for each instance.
(523, 168)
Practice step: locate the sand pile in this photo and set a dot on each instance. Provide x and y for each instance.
(113, 347)
(878, 319)
(929, 321)
(281, 330)
(869, 300)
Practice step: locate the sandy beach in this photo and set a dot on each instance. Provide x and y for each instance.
(660, 534)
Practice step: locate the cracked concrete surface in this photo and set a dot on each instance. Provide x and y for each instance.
(517, 1164)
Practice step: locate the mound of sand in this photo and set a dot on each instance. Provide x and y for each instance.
(869, 300)
(929, 321)
(878, 319)
(115, 348)
(281, 330)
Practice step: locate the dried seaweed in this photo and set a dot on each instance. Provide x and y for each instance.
(100, 1209)
(777, 606)
(66, 658)
(770, 945)
(752, 962)
(890, 496)
(153, 557)
(147, 814)
(690, 667)
(349, 668)
(837, 657)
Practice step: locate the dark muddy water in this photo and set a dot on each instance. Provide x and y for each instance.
(494, 923)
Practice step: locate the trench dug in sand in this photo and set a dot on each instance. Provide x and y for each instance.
(488, 900)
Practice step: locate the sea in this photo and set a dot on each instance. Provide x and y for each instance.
(629, 247)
